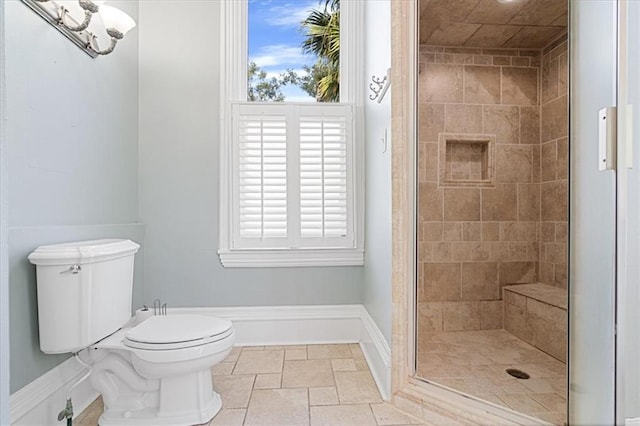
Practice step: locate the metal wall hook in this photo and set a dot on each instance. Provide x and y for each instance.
(379, 86)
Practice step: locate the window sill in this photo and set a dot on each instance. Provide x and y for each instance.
(263, 258)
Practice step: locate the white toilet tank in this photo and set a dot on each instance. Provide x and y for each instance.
(84, 291)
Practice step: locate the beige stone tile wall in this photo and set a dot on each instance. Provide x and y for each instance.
(472, 240)
(554, 165)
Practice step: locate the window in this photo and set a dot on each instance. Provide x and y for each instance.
(290, 172)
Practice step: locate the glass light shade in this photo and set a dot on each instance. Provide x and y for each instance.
(116, 19)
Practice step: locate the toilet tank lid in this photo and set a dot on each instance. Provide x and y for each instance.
(83, 252)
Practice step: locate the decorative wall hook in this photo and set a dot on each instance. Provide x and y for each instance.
(379, 86)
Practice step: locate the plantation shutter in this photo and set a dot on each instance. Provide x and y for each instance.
(323, 177)
(292, 176)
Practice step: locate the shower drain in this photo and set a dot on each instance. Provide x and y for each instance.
(518, 374)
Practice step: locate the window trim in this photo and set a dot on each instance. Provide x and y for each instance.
(233, 88)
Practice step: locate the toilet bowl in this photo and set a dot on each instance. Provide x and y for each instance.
(158, 372)
(154, 373)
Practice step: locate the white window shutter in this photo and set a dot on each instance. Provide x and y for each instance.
(293, 176)
(323, 177)
(260, 187)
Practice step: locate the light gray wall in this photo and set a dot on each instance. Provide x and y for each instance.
(71, 132)
(377, 271)
(179, 148)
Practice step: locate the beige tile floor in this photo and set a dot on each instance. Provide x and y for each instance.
(293, 385)
(474, 362)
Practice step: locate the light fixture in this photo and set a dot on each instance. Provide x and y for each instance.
(58, 14)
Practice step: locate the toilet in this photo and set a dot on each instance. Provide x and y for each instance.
(154, 372)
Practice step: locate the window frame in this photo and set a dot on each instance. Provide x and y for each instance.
(233, 89)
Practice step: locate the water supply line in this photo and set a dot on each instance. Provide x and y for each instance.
(67, 413)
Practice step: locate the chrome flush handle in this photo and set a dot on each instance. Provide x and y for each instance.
(74, 269)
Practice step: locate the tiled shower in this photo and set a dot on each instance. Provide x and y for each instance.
(492, 219)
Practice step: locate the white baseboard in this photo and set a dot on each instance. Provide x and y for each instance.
(289, 325)
(377, 352)
(39, 402)
(632, 422)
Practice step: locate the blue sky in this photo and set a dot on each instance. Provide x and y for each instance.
(275, 38)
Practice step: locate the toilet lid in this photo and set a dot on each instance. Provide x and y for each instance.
(168, 330)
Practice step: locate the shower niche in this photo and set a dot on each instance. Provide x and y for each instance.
(465, 160)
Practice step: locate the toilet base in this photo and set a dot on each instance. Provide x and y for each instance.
(149, 416)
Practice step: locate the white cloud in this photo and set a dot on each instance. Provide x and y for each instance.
(280, 55)
(289, 14)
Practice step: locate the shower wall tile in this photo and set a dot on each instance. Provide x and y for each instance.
(482, 60)
(561, 231)
(519, 86)
(518, 231)
(530, 125)
(547, 231)
(517, 272)
(430, 316)
(514, 163)
(461, 316)
(553, 201)
(441, 252)
(461, 204)
(441, 282)
(490, 231)
(451, 231)
(563, 73)
(431, 119)
(441, 83)
(562, 159)
(491, 315)
(555, 119)
(482, 84)
(548, 161)
(501, 60)
(529, 202)
(430, 198)
(547, 273)
(500, 203)
(549, 81)
(504, 122)
(474, 251)
(535, 157)
(432, 231)
(428, 162)
(479, 281)
(461, 118)
(472, 231)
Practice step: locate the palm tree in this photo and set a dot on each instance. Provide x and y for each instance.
(322, 38)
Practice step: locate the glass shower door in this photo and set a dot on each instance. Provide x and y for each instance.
(592, 280)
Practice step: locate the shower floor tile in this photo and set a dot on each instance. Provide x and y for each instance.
(475, 362)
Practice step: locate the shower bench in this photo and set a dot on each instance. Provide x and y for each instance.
(537, 314)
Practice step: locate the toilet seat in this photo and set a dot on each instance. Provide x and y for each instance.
(177, 332)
